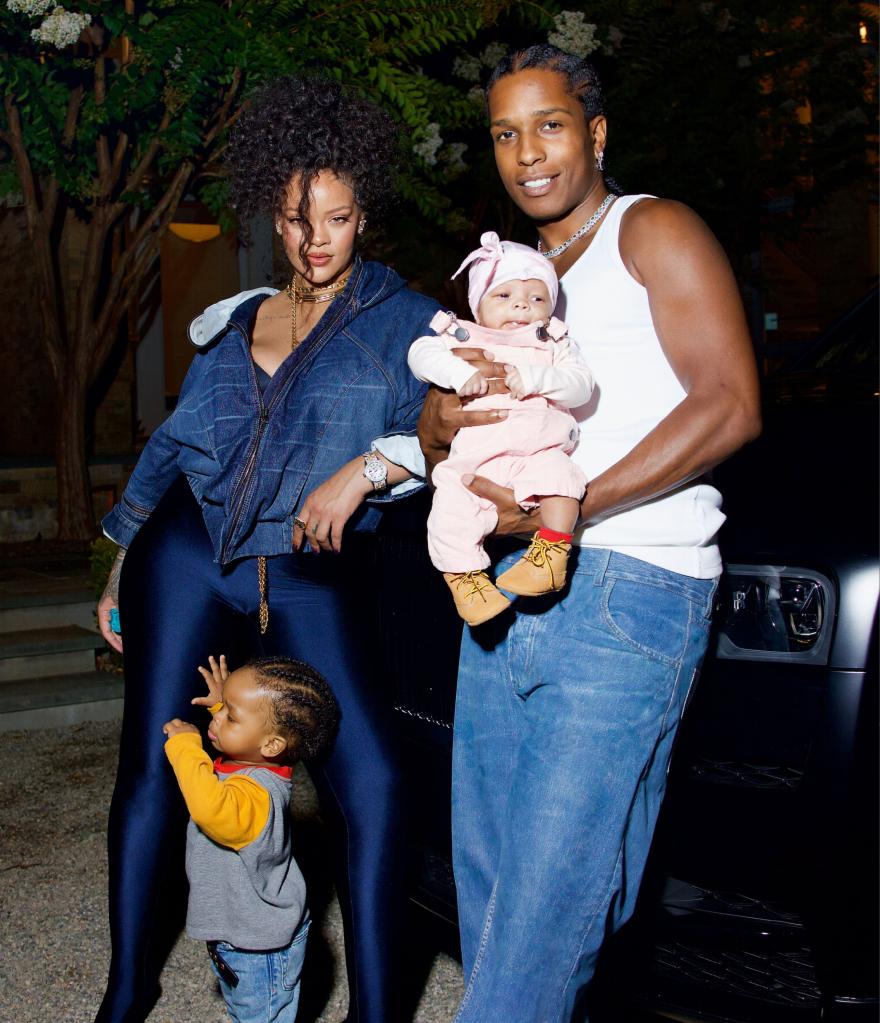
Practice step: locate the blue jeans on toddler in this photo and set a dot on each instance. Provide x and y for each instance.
(564, 724)
(268, 982)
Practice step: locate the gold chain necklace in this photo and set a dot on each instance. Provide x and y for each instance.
(297, 294)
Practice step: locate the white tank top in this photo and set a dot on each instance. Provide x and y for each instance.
(608, 316)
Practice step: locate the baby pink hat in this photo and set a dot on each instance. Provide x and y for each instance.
(496, 262)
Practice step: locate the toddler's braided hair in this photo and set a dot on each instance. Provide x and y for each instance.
(303, 706)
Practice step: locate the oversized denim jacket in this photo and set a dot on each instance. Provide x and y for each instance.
(251, 460)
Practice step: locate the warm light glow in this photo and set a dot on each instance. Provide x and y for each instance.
(863, 32)
(196, 232)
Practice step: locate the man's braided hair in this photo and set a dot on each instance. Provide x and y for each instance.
(581, 80)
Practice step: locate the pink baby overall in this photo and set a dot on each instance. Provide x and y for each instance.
(527, 451)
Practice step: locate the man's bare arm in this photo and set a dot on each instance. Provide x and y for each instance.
(699, 319)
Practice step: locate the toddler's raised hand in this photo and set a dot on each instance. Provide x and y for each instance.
(214, 677)
(514, 382)
(474, 386)
(176, 726)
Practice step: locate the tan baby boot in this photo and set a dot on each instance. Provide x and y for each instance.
(540, 570)
(475, 596)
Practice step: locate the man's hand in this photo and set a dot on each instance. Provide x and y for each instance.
(511, 518)
(444, 414)
(215, 675)
(176, 726)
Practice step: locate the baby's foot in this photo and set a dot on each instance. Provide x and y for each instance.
(476, 598)
(540, 570)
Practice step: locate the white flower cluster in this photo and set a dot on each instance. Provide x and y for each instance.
(176, 62)
(62, 28)
(467, 67)
(429, 142)
(475, 95)
(34, 8)
(574, 33)
(492, 54)
(452, 157)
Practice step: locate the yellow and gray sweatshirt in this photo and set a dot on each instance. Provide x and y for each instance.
(244, 885)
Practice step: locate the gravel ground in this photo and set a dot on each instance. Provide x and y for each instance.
(55, 788)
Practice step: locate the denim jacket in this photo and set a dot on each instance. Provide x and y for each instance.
(251, 460)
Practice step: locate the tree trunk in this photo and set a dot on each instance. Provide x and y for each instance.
(76, 519)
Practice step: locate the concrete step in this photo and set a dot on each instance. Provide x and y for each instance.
(37, 653)
(61, 700)
(49, 613)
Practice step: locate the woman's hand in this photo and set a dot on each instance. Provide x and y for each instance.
(443, 414)
(327, 509)
(511, 518)
(215, 675)
(110, 601)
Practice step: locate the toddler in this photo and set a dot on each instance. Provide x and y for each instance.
(246, 894)
(512, 290)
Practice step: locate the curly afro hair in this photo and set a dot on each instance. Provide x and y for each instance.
(296, 127)
(302, 704)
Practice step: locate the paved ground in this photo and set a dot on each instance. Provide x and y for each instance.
(54, 793)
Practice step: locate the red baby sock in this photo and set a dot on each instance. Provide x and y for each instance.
(551, 536)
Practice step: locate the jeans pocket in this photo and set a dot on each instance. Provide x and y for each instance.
(650, 619)
(292, 958)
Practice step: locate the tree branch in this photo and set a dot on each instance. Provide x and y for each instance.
(67, 138)
(102, 148)
(134, 263)
(38, 231)
(223, 112)
(137, 175)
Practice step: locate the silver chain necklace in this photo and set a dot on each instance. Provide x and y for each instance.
(581, 231)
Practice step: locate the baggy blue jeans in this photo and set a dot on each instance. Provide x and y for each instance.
(268, 982)
(564, 724)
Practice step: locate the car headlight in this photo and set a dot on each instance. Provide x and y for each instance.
(774, 613)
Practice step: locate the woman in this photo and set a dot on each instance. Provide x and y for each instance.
(228, 502)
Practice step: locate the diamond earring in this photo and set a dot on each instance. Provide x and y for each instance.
(600, 160)
(277, 229)
(361, 225)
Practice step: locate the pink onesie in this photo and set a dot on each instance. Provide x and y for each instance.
(527, 451)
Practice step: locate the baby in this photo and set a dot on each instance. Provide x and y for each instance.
(246, 894)
(512, 290)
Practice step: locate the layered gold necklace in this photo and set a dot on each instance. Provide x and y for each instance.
(298, 293)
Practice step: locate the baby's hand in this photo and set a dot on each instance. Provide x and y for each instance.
(514, 382)
(214, 677)
(474, 386)
(176, 726)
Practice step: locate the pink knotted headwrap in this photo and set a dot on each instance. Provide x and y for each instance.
(496, 262)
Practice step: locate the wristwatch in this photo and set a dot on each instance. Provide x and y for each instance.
(375, 470)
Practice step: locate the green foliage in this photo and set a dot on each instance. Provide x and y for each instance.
(102, 554)
(186, 57)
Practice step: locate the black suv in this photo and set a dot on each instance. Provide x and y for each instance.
(760, 902)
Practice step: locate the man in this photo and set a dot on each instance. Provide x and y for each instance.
(566, 713)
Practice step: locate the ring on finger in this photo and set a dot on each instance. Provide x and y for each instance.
(297, 521)
(313, 529)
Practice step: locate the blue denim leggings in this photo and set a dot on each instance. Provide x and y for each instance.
(177, 606)
(564, 724)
